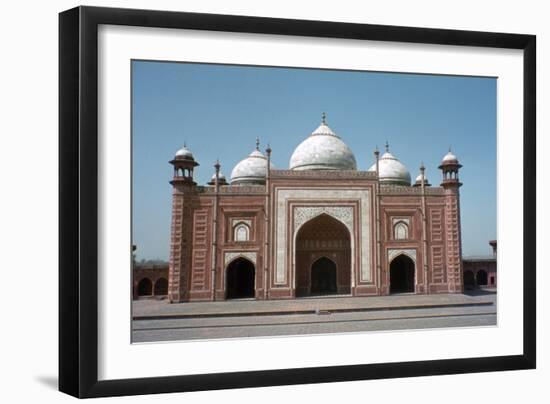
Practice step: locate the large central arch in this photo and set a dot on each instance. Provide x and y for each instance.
(323, 257)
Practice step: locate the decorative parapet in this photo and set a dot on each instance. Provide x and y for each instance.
(233, 190)
(406, 190)
(323, 174)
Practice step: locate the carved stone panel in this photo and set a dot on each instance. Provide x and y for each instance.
(303, 214)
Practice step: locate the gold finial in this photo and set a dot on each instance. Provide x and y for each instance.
(324, 118)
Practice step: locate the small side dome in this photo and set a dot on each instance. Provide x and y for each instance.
(418, 181)
(323, 150)
(251, 170)
(184, 154)
(449, 158)
(221, 179)
(391, 170)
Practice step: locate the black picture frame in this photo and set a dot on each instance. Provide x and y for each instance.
(78, 201)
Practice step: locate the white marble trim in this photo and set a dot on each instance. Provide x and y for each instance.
(318, 195)
(232, 255)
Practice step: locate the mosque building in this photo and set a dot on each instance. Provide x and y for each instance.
(320, 227)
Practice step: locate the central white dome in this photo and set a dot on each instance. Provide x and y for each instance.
(323, 150)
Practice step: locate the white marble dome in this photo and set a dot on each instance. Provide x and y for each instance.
(449, 158)
(418, 181)
(184, 154)
(419, 178)
(392, 171)
(251, 170)
(221, 177)
(323, 150)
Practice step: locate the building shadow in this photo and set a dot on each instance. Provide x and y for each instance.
(480, 292)
(48, 381)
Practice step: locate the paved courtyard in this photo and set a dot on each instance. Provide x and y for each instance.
(157, 320)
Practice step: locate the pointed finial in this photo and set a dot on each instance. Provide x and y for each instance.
(324, 118)
(449, 148)
(376, 151)
(258, 143)
(184, 144)
(217, 165)
(422, 168)
(387, 146)
(268, 149)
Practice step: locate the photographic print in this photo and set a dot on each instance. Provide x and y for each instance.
(272, 201)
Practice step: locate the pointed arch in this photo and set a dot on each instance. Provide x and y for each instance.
(241, 232)
(400, 230)
(145, 287)
(402, 270)
(240, 279)
(322, 251)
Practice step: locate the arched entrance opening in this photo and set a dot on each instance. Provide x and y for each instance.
(240, 279)
(481, 278)
(161, 287)
(402, 274)
(323, 277)
(323, 257)
(145, 287)
(469, 279)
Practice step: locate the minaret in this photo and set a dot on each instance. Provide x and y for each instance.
(267, 223)
(215, 226)
(181, 232)
(184, 164)
(383, 280)
(453, 239)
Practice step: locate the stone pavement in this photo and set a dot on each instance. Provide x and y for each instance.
(161, 309)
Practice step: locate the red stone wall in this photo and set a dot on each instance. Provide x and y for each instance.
(437, 261)
(151, 272)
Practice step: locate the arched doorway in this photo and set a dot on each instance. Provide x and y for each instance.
(323, 257)
(323, 277)
(161, 287)
(402, 274)
(481, 278)
(145, 287)
(469, 279)
(240, 277)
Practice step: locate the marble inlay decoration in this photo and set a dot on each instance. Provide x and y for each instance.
(394, 252)
(332, 196)
(303, 214)
(248, 222)
(249, 255)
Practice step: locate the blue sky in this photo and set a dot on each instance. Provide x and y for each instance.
(219, 110)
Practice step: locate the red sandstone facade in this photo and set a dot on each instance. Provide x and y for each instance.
(314, 232)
